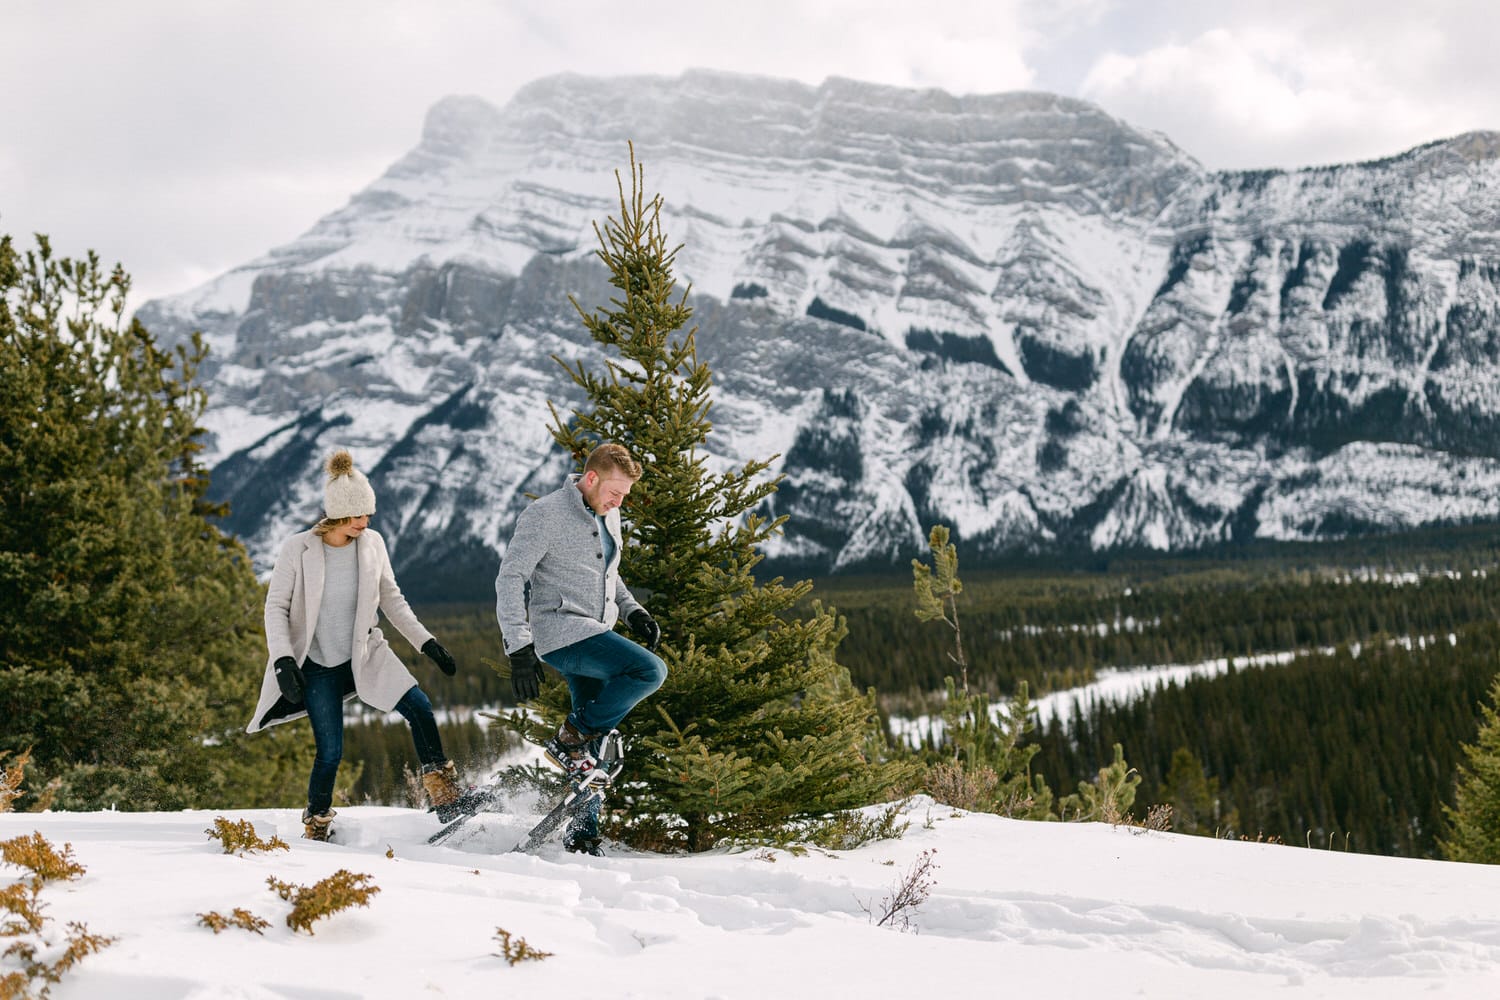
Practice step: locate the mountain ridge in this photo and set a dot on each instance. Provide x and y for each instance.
(1010, 313)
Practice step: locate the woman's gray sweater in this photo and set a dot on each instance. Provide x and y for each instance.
(333, 638)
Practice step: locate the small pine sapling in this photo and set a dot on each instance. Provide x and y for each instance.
(850, 828)
(1107, 798)
(337, 892)
(515, 949)
(937, 588)
(990, 770)
(240, 838)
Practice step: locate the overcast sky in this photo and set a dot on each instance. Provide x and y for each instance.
(184, 138)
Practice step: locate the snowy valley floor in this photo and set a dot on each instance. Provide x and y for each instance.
(1017, 909)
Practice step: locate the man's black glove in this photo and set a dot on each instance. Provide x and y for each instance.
(644, 626)
(437, 654)
(525, 673)
(289, 679)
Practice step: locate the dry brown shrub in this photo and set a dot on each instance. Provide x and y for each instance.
(239, 917)
(337, 892)
(239, 837)
(514, 949)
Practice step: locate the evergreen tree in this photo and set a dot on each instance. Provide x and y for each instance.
(1108, 797)
(758, 724)
(129, 625)
(1193, 796)
(1474, 819)
(937, 588)
(991, 763)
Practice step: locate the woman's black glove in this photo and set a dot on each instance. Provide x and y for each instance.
(437, 654)
(525, 673)
(645, 627)
(289, 679)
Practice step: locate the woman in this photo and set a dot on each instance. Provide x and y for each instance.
(324, 647)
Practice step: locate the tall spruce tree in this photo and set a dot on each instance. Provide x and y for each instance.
(1474, 818)
(129, 625)
(757, 724)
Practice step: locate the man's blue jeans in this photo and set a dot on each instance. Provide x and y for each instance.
(324, 698)
(607, 676)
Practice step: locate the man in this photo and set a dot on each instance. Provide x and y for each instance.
(559, 594)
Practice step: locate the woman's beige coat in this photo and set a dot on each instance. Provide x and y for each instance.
(292, 602)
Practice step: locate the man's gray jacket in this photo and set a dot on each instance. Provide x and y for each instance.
(556, 548)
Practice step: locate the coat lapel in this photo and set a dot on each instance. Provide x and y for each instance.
(312, 585)
(612, 525)
(369, 585)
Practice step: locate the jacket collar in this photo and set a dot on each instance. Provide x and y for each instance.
(579, 502)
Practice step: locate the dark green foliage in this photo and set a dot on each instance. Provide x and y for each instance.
(1194, 797)
(758, 723)
(1106, 797)
(985, 765)
(1054, 629)
(130, 645)
(936, 588)
(1355, 752)
(1474, 816)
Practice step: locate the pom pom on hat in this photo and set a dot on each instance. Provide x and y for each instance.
(348, 493)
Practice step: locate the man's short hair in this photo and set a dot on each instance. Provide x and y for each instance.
(612, 457)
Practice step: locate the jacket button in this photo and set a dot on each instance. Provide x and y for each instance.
(598, 555)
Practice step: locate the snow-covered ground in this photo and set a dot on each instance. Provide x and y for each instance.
(1016, 909)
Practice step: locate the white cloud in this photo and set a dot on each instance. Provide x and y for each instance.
(177, 136)
(180, 137)
(1289, 86)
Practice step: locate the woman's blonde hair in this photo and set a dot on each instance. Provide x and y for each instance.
(326, 525)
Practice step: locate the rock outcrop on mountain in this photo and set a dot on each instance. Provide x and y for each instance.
(1012, 313)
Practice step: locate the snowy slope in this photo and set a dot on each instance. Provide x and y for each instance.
(1016, 909)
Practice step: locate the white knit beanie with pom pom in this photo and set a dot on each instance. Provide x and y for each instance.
(348, 492)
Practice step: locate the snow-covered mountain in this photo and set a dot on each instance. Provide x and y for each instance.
(1010, 313)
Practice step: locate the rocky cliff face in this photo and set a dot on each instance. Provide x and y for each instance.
(1012, 314)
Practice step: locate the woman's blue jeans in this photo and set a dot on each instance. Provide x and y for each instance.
(325, 688)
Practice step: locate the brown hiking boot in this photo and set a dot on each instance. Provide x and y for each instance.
(317, 827)
(440, 782)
